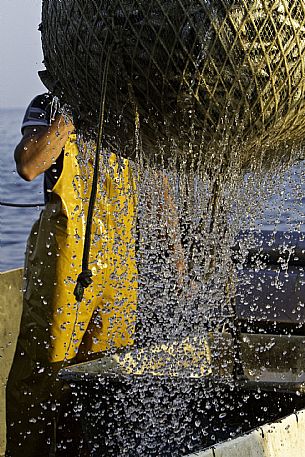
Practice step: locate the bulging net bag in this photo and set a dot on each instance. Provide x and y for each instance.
(192, 72)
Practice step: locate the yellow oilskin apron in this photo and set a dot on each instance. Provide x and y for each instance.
(105, 317)
(55, 329)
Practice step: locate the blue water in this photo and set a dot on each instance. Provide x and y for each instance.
(15, 223)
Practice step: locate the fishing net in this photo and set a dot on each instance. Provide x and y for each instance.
(190, 72)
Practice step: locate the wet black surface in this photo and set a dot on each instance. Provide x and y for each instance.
(166, 418)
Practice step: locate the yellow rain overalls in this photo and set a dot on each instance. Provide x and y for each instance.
(55, 330)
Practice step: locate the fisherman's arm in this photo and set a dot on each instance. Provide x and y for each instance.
(40, 146)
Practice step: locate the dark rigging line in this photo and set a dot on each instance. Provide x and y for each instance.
(21, 205)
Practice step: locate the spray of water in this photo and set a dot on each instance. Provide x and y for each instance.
(171, 399)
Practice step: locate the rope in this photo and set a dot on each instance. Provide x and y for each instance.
(21, 205)
(84, 279)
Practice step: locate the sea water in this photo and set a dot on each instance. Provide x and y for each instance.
(15, 223)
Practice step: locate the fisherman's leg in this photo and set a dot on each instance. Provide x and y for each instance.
(68, 329)
(112, 325)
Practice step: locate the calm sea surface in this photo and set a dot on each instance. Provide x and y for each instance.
(15, 223)
(285, 210)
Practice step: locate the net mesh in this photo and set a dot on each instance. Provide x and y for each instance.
(199, 72)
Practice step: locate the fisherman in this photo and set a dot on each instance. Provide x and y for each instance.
(56, 330)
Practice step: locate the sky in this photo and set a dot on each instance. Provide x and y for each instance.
(20, 52)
